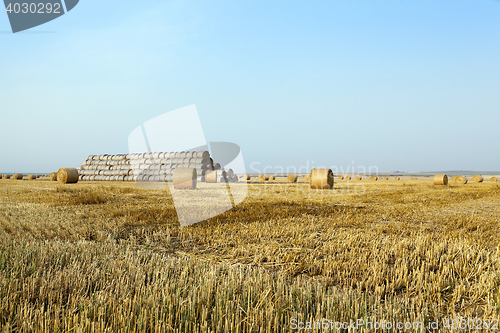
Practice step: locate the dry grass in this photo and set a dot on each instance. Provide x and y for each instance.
(111, 257)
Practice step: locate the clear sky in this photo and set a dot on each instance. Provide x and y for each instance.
(408, 85)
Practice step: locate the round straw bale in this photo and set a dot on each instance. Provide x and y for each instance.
(454, 179)
(245, 177)
(263, 178)
(184, 178)
(211, 176)
(461, 180)
(359, 177)
(67, 176)
(291, 178)
(374, 178)
(272, 177)
(53, 176)
(6, 177)
(341, 177)
(31, 177)
(440, 180)
(321, 179)
(347, 177)
(478, 179)
(494, 179)
(397, 178)
(17, 176)
(229, 173)
(217, 166)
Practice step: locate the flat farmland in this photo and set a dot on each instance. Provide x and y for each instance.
(105, 256)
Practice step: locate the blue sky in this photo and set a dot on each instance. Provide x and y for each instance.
(401, 85)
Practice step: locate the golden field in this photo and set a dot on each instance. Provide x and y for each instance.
(111, 257)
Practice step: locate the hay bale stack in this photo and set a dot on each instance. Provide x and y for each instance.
(185, 178)
(291, 178)
(461, 180)
(494, 179)
(440, 180)
(67, 176)
(17, 176)
(154, 166)
(478, 179)
(32, 177)
(321, 179)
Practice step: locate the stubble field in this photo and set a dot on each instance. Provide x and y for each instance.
(111, 257)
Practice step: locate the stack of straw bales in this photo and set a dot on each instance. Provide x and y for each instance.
(146, 167)
(107, 167)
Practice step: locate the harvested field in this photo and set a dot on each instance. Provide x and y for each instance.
(99, 256)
